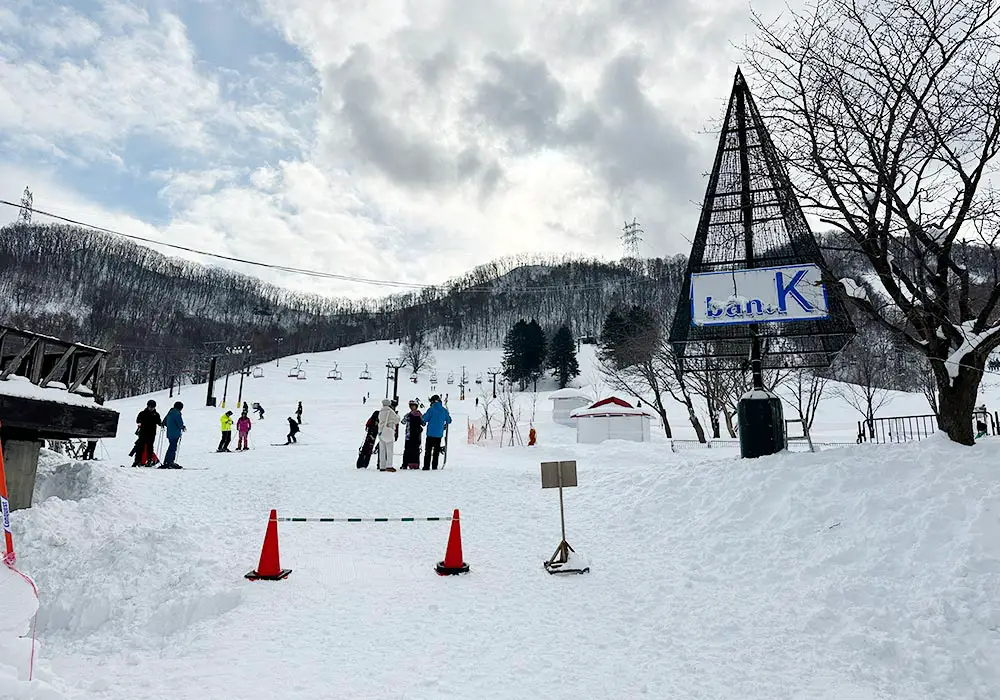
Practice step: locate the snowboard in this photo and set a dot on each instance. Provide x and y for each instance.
(366, 450)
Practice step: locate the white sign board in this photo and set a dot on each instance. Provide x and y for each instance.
(763, 295)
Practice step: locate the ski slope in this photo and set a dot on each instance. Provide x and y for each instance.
(859, 573)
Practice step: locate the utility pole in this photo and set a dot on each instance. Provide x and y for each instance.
(24, 215)
(210, 399)
(394, 366)
(493, 372)
(244, 367)
(631, 239)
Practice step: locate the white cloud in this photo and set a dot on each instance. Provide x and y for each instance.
(429, 137)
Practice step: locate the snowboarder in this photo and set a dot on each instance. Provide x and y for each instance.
(148, 421)
(298, 414)
(259, 410)
(174, 423)
(435, 418)
(243, 426)
(293, 428)
(414, 423)
(227, 431)
(388, 428)
(368, 446)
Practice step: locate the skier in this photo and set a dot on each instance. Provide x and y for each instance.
(227, 431)
(414, 423)
(435, 418)
(243, 426)
(388, 428)
(364, 400)
(174, 423)
(293, 428)
(148, 421)
(259, 410)
(298, 414)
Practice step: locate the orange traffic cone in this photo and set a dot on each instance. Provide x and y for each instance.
(269, 568)
(453, 563)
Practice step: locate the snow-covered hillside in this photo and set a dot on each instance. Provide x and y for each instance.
(858, 573)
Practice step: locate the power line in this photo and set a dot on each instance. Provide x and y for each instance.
(414, 286)
(244, 261)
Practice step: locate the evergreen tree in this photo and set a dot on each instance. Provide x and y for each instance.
(536, 347)
(524, 351)
(562, 357)
(514, 352)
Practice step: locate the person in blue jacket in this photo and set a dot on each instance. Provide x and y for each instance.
(436, 417)
(174, 423)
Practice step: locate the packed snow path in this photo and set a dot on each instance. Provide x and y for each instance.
(855, 574)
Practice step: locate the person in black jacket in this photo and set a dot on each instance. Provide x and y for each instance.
(148, 421)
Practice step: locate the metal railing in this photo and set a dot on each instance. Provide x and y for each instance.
(880, 431)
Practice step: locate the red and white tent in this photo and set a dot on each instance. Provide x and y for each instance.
(612, 419)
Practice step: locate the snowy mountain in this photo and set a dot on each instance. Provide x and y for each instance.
(858, 573)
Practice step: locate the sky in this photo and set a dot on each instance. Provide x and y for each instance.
(388, 139)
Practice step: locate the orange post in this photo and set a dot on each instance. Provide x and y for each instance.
(8, 557)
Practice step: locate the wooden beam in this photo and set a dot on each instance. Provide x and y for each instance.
(81, 377)
(37, 362)
(19, 358)
(59, 366)
(52, 420)
(102, 370)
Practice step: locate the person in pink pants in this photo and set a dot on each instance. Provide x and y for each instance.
(243, 428)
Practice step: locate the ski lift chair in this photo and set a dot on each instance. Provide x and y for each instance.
(293, 373)
(413, 378)
(332, 374)
(365, 374)
(434, 377)
(301, 374)
(258, 373)
(479, 379)
(451, 377)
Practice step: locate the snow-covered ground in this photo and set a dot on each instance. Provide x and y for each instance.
(857, 573)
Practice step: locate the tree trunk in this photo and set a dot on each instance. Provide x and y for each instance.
(730, 426)
(957, 399)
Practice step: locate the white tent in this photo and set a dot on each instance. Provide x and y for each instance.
(564, 402)
(611, 419)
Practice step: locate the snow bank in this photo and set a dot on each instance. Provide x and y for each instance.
(113, 559)
(17, 608)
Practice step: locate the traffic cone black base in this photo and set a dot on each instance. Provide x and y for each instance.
(254, 576)
(451, 570)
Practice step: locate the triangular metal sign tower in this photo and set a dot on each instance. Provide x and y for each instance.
(751, 219)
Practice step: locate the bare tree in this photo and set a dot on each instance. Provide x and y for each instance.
(866, 368)
(802, 390)
(888, 111)
(416, 352)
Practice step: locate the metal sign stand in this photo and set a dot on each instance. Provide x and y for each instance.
(560, 475)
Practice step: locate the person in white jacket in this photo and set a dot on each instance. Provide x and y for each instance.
(388, 430)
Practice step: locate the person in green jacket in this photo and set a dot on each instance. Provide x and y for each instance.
(227, 432)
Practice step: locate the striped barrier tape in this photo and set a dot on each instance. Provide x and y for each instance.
(362, 520)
